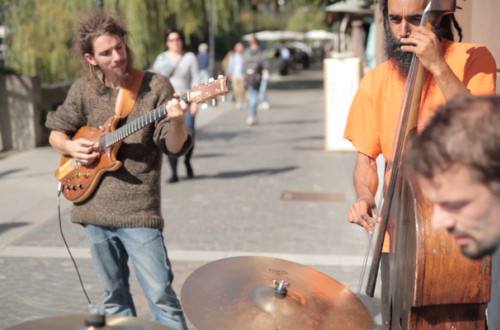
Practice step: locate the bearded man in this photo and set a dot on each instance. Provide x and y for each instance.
(453, 68)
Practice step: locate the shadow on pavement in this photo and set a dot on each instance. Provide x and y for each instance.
(296, 84)
(7, 173)
(9, 225)
(239, 174)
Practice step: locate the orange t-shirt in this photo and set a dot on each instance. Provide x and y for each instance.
(374, 113)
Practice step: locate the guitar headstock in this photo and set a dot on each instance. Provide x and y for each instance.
(207, 91)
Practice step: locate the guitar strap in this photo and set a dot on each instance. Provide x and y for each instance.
(127, 95)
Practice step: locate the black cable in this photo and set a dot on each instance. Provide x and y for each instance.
(66, 244)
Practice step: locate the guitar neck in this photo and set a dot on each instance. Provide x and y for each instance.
(121, 133)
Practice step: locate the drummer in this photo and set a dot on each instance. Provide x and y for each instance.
(456, 162)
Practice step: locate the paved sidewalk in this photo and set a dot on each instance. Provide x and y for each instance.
(264, 190)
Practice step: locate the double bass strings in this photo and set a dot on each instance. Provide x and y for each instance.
(368, 250)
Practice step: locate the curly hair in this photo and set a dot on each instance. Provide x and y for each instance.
(90, 28)
(463, 131)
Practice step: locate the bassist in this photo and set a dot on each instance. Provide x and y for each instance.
(453, 68)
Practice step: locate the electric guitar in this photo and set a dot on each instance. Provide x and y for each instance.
(79, 181)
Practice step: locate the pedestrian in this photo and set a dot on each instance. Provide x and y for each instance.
(263, 103)
(286, 61)
(254, 64)
(182, 70)
(237, 75)
(122, 217)
(454, 68)
(203, 61)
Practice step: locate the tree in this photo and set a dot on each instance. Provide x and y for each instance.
(40, 31)
(39, 37)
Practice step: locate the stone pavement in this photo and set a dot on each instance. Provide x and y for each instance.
(265, 190)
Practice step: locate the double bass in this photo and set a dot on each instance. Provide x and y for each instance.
(432, 285)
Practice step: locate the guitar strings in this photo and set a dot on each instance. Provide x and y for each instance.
(66, 244)
(157, 112)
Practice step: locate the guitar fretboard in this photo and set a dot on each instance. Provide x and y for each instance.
(121, 133)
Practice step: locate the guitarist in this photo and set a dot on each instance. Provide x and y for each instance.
(122, 217)
(455, 68)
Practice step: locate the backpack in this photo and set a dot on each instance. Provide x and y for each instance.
(253, 73)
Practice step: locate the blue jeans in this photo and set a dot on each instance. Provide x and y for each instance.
(189, 122)
(111, 248)
(263, 91)
(254, 101)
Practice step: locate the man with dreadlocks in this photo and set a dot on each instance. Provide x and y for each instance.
(454, 68)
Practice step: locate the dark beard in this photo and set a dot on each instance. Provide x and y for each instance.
(97, 78)
(123, 76)
(400, 60)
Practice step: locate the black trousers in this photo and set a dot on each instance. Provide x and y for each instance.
(174, 160)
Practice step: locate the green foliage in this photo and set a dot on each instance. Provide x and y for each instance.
(39, 37)
(305, 19)
(145, 21)
(40, 31)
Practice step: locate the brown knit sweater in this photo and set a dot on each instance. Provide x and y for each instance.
(129, 196)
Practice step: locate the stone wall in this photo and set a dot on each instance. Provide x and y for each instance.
(20, 125)
(23, 105)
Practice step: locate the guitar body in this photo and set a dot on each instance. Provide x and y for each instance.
(79, 181)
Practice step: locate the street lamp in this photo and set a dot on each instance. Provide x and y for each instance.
(211, 40)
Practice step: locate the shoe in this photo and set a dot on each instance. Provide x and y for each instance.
(264, 106)
(252, 120)
(173, 179)
(189, 171)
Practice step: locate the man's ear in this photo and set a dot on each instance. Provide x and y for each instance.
(90, 59)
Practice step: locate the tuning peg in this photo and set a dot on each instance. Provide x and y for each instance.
(213, 102)
(220, 76)
(211, 79)
(223, 98)
(204, 105)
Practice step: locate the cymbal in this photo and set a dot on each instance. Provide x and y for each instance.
(77, 322)
(267, 293)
